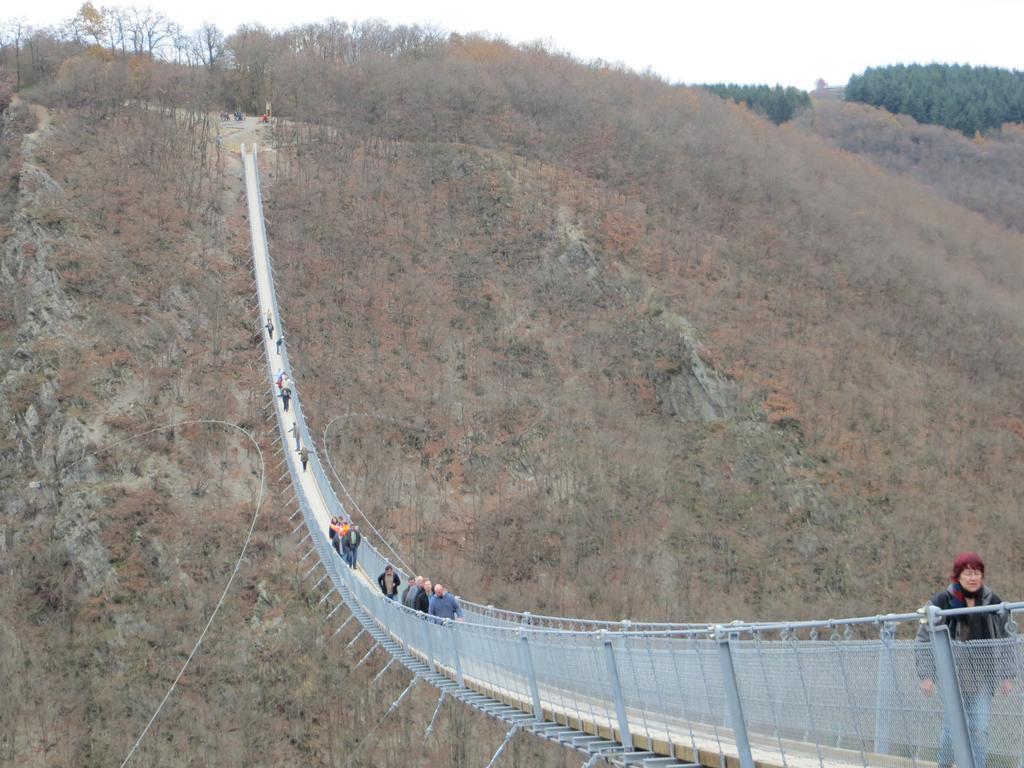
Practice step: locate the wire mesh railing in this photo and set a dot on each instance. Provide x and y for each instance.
(844, 691)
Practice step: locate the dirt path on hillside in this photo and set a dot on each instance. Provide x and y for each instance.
(233, 134)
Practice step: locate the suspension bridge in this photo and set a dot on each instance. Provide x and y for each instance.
(831, 693)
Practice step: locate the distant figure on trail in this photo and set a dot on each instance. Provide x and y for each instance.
(350, 545)
(304, 457)
(444, 605)
(294, 430)
(979, 669)
(389, 582)
(269, 326)
(335, 533)
(238, 116)
(422, 600)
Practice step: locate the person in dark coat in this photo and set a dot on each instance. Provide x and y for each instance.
(350, 545)
(389, 582)
(981, 669)
(422, 600)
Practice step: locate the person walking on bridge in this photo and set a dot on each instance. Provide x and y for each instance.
(351, 544)
(304, 457)
(389, 582)
(414, 586)
(270, 326)
(295, 431)
(336, 532)
(981, 668)
(422, 600)
(444, 605)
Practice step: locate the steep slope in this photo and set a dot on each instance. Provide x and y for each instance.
(525, 279)
(127, 309)
(984, 174)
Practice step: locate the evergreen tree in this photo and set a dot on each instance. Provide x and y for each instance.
(968, 99)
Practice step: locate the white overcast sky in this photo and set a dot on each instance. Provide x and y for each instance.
(792, 42)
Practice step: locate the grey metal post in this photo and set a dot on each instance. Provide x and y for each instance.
(531, 676)
(458, 659)
(732, 695)
(616, 688)
(883, 692)
(949, 690)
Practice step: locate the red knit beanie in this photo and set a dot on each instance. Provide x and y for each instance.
(967, 560)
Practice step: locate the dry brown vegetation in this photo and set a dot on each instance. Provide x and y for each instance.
(984, 174)
(127, 285)
(870, 331)
(610, 347)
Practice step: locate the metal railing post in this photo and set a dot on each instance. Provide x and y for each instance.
(949, 689)
(732, 694)
(531, 675)
(883, 692)
(616, 687)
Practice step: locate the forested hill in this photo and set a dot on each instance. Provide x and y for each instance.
(981, 173)
(778, 104)
(967, 99)
(588, 343)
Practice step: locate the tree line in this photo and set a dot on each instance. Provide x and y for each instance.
(958, 96)
(776, 103)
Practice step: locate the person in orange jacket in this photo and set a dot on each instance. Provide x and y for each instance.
(337, 531)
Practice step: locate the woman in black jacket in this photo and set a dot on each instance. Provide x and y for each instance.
(978, 668)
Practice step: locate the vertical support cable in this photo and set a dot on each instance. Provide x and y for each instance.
(759, 645)
(429, 645)
(732, 695)
(848, 683)
(952, 702)
(811, 720)
(531, 675)
(616, 688)
(453, 633)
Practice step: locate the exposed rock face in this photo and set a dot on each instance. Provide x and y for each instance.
(47, 442)
(693, 390)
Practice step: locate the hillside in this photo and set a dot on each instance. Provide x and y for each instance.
(127, 311)
(532, 281)
(586, 343)
(984, 174)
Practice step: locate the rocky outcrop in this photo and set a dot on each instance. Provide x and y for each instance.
(690, 389)
(46, 442)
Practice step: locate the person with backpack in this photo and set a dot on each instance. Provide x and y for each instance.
(304, 457)
(350, 545)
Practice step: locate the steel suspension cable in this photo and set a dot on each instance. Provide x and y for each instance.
(234, 572)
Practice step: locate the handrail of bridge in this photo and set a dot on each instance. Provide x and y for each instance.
(793, 694)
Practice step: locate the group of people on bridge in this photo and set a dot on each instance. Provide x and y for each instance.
(993, 668)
